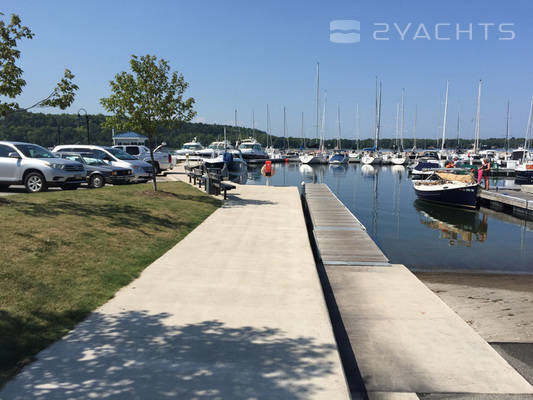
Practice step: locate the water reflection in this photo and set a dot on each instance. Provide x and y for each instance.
(411, 232)
(458, 226)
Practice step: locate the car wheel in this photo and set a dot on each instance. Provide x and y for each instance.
(97, 181)
(35, 182)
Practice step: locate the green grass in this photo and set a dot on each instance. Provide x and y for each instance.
(62, 254)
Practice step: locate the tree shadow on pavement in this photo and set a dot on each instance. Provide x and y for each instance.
(136, 355)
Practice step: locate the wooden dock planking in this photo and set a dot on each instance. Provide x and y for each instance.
(340, 237)
(519, 203)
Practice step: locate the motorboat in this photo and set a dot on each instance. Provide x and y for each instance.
(231, 163)
(524, 173)
(215, 149)
(422, 170)
(448, 188)
(252, 150)
(188, 150)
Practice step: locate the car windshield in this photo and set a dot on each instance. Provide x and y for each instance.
(92, 160)
(34, 151)
(73, 157)
(120, 154)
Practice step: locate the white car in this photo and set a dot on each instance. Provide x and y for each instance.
(163, 160)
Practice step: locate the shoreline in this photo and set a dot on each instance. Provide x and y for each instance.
(497, 306)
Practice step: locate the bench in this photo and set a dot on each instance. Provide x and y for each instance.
(197, 175)
(216, 185)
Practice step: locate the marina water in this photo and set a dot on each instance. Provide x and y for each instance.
(421, 235)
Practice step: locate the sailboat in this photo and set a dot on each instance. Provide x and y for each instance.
(355, 155)
(442, 153)
(339, 157)
(373, 157)
(473, 155)
(318, 157)
(399, 158)
(524, 171)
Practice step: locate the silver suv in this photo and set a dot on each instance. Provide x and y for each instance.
(37, 168)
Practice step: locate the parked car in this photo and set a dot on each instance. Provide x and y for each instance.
(163, 159)
(37, 168)
(142, 171)
(99, 172)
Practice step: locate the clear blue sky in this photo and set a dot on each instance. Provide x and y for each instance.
(244, 54)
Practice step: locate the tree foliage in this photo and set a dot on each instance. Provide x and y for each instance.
(147, 99)
(11, 81)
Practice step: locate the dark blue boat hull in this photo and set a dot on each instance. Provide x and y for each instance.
(524, 176)
(460, 197)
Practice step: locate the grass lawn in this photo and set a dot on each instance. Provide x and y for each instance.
(64, 253)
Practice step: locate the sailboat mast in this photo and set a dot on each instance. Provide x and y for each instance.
(397, 128)
(402, 124)
(338, 127)
(323, 128)
(378, 127)
(268, 126)
(414, 128)
(285, 127)
(458, 126)
(253, 123)
(507, 127)
(376, 117)
(317, 99)
(528, 130)
(445, 118)
(303, 132)
(476, 138)
(357, 126)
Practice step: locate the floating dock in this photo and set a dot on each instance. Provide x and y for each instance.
(516, 202)
(402, 339)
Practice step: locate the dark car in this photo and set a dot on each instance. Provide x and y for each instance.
(98, 171)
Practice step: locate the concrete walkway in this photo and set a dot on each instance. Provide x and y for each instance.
(233, 311)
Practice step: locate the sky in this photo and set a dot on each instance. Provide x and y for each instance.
(243, 55)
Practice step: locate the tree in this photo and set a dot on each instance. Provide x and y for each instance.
(11, 81)
(149, 98)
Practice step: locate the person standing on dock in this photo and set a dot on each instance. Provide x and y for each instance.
(485, 171)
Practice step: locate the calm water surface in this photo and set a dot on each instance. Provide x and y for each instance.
(421, 235)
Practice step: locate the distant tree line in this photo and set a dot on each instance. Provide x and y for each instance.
(49, 130)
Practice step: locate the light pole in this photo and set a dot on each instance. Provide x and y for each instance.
(86, 122)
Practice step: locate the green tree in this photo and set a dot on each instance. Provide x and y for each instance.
(149, 98)
(11, 81)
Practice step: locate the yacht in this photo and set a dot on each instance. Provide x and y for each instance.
(230, 162)
(215, 149)
(252, 150)
(189, 149)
